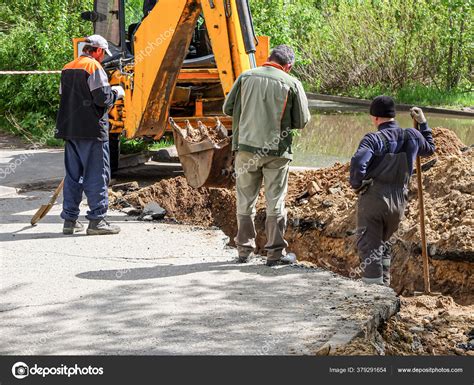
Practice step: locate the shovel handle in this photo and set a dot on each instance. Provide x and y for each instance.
(44, 209)
(57, 192)
(424, 248)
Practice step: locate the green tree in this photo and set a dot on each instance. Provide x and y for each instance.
(37, 35)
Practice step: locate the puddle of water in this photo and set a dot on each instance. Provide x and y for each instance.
(334, 137)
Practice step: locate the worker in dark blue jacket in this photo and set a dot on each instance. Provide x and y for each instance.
(83, 123)
(380, 172)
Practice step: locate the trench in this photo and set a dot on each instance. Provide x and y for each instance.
(321, 219)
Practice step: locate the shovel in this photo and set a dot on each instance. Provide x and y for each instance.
(424, 248)
(44, 209)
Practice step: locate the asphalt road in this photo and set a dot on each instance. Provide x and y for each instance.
(158, 288)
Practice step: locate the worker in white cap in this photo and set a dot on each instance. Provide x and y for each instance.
(83, 123)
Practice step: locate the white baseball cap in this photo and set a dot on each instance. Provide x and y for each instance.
(99, 42)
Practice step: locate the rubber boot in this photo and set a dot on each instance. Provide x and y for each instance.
(101, 227)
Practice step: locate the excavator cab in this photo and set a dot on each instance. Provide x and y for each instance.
(177, 60)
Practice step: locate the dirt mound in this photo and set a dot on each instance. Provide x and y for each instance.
(425, 325)
(447, 143)
(202, 207)
(321, 211)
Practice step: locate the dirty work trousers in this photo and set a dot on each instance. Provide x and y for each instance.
(251, 169)
(87, 163)
(379, 212)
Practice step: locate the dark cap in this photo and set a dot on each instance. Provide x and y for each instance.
(383, 107)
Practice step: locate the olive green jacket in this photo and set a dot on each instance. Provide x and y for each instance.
(266, 104)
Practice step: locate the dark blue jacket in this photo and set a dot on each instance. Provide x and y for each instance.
(86, 96)
(372, 148)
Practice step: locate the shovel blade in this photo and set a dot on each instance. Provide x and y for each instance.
(40, 214)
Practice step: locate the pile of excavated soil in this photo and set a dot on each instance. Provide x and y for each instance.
(425, 325)
(321, 211)
(202, 207)
(329, 217)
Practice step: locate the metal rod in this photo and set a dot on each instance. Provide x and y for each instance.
(253, 61)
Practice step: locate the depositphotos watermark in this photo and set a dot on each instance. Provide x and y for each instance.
(21, 370)
(264, 151)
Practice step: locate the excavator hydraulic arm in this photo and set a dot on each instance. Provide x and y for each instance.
(160, 46)
(170, 85)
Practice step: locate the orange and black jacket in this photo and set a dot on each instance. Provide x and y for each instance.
(86, 96)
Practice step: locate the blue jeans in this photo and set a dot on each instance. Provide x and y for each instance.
(87, 163)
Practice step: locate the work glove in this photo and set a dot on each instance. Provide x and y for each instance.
(366, 183)
(119, 91)
(417, 114)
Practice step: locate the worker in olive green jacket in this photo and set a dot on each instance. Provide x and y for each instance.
(265, 103)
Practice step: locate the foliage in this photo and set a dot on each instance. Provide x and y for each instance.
(354, 44)
(416, 94)
(134, 146)
(35, 127)
(419, 50)
(36, 35)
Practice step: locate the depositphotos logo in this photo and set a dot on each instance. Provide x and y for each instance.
(21, 370)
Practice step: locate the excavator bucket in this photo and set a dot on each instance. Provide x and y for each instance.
(205, 153)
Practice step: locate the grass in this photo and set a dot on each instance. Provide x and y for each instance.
(35, 128)
(134, 146)
(418, 95)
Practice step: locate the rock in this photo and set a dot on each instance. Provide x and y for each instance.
(395, 335)
(295, 222)
(459, 352)
(155, 210)
(432, 249)
(132, 211)
(159, 216)
(328, 203)
(323, 350)
(122, 203)
(431, 350)
(308, 224)
(313, 188)
(468, 347)
(334, 190)
(129, 186)
(417, 329)
(426, 166)
(416, 345)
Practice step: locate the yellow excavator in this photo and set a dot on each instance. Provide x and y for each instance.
(177, 60)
